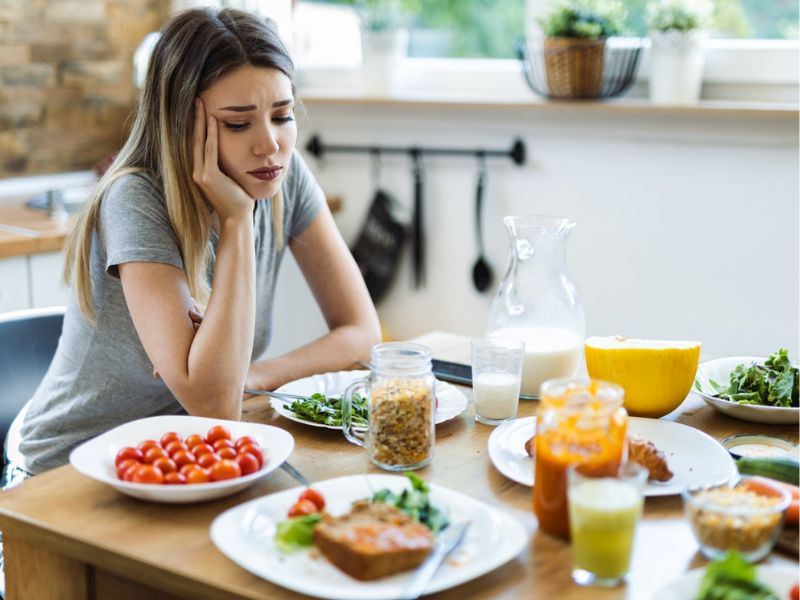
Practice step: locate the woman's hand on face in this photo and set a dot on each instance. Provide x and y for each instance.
(225, 195)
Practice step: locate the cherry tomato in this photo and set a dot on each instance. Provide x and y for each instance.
(208, 459)
(128, 474)
(125, 465)
(246, 439)
(189, 467)
(174, 478)
(315, 497)
(218, 432)
(183, 458)
(146, 445)
(228, 453)
(247, 463)
(302, 507)
(174, 446)
(250, 449)
(201, 449)
(165, 465)
(193, 440)
(225, 469)
(147, 474)
(128, 453)
(198, 476)
(154, 453)
(170, 437)
(220, 444)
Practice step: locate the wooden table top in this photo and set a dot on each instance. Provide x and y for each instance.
(168, 546)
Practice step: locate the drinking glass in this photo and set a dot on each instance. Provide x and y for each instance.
(603, 513)
(496, 376)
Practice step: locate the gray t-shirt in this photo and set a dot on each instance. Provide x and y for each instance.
(100, 376)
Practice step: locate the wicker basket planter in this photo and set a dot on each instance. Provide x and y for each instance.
(574, 66)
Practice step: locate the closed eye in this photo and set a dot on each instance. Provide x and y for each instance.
(236, 126)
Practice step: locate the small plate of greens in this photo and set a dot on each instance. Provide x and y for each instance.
(752, 388)
(321, 405)
(731, 577)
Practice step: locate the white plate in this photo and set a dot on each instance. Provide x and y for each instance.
(95, 458)
(245, 534)
(693, 457)
(452, 401)
(779, 579)
(720, 371)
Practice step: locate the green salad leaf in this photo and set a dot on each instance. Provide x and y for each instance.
(775, 383)
(319, 408)
(296, 532)
(732, 578)
(416, 504)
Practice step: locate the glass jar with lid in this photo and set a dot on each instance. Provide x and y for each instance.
(401, 401)
(581, 422)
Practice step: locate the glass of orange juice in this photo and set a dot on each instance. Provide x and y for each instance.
(580, 422)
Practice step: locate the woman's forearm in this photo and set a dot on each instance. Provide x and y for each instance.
(220, 353)
(339, 349)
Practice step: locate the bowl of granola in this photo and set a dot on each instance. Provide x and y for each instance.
(745, 518)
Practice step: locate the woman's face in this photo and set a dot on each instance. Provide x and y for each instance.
(254, 109)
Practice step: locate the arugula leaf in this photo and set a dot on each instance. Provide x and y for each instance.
(318, 408)
(416, 504)
(732, 578)
(776, 383)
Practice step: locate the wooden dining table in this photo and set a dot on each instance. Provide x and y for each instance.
(67, 536)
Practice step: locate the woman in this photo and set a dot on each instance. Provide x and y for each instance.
(208, 189)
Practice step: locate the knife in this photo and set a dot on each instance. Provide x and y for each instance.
(295, 473)
(279, 395)
(448, 540)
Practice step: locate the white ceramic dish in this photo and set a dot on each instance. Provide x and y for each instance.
(452, 401)
(693, 457)
(95, 458)
(245, 534)
(779, 579)
(720, 371)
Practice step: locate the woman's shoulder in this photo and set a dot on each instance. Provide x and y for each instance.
(138, 183)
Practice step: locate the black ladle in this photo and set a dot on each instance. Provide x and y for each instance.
(481, 271)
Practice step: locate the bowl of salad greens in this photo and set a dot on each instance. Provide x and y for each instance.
(752, 388)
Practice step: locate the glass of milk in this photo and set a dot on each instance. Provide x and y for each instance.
(604, 510)
(496, 378)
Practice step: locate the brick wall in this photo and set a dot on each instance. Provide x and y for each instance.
(66, 87)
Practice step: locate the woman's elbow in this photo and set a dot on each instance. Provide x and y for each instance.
(214, 401)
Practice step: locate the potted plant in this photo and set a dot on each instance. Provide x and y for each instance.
(384, 42)
(676, 52)
(574, 45)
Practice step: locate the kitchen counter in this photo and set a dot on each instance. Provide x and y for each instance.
(26, 231)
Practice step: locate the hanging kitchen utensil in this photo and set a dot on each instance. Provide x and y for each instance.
(417, 224)
(379, 244)
(481, 271)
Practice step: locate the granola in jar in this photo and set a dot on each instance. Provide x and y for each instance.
(401, 427)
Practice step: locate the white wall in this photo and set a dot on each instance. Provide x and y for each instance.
(687, 223)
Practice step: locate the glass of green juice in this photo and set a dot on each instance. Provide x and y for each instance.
(603, 513)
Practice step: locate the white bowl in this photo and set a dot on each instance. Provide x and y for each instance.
(720, 371)
(95, 458)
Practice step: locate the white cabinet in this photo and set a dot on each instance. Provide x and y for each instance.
(47, 281)
(14, 284)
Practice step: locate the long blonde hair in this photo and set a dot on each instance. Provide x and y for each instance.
(196, 48)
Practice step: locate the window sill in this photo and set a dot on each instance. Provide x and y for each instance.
(314, 97)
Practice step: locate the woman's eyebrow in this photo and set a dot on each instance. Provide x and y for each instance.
(250, 107)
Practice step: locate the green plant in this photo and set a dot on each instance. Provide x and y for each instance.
(584, 19)
(380, 15)
(672, 15)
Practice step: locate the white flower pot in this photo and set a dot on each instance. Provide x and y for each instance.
(381, 55)
(676, 67)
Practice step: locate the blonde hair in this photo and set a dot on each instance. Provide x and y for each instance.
(196, 48)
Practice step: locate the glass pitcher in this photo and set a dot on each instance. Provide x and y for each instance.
(401, 402)
(537, 302)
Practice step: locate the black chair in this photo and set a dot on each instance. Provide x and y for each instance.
(28, 341)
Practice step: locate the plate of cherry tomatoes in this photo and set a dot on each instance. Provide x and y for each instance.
(183, 459)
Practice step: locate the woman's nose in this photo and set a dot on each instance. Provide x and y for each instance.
(267, 144)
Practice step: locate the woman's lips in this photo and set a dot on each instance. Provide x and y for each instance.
(266, 174)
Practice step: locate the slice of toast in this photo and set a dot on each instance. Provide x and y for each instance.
(373, 540)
